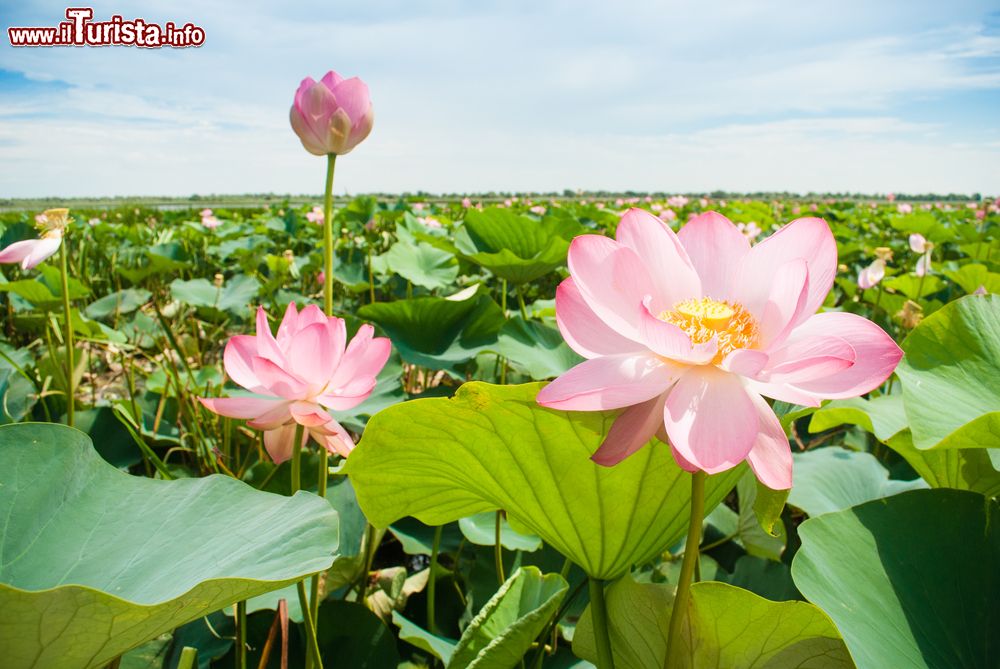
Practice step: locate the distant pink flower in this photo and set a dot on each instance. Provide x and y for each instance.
(870, 276)
(418, 206)
(332, 115)
(891, 197)
(303, 371)
(927, 206)
(796, 210)
(507, 203)
(94, 221)
(923, 267)
(677, 201)
(321, 278)
(429, 222)
(703, 202)
(980, 214)
(208, 219)
(619, 202)
(656, 206)
(688, 331)
(814, 207)
(904, 208)
(981, 291)
(315, 216)
(668, 215)
(917, 243)
(466, 202)
(749, 230)
(599, 205)
(538, 210)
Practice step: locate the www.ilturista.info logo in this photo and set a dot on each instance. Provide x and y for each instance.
(80, 30)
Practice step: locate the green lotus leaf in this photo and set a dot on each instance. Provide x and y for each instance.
(951, 375)
(94, 561)
(536, 348)
(423, 264)
(493, 447)
(910, 580)
(234, 296)
(515, 247)
(727, 627)
(438, 332)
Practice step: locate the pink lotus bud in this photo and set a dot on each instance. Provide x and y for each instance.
(539, 210)
(924, 265)
(332, 115)
(668, 215)
(917, 243)
(980, 292)
(904, 208)
(466, 202)
(891, 197)
(980, 214)
(814, 207)
(871, 275)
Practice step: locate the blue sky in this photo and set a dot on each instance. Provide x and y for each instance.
(516, 95)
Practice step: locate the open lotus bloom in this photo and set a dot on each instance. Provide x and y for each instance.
(301, 373)
(31, 252)
(332, 115)
(870, 276)
(689, 332)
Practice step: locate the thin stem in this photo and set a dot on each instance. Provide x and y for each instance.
(371, 276)
(297, 459)
(680, 606)
(520, 302)
(188, 659)
(432, 579)
(599, 618)
(70, 366)
(307, 621)
(498, 550)
(328, 236)
(503, 297)
(321, 475)
(241, 635)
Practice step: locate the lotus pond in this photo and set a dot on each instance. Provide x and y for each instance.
(386, 487)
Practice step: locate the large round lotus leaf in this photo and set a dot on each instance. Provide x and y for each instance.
(493, 447)
(910, 580)
(515, 247)
(951, 375)
(438, 332)
(94, 561)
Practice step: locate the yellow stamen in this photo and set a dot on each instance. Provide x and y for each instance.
(702, 319)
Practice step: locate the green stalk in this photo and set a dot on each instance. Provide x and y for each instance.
(520, 302)
(498, 551)
(328, 237)
(307, 621)
(297, 459)
(241, 635)
(680, 606)
(70, 367)
(188, 659)
(432, 579)
(599, 619)
(321, 491)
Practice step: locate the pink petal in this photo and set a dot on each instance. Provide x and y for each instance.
(782, 392)
(631, 431)
(352, 96)
(785, 306)
(267, 345)
(18, 251)
(312, 356)
(364, 358)
(311, 314)
(611, 382)
(279, 442)
(242, 407)
(238, 362)
(277, 380)
(41, 249)
(334, 438)
(662, 254)
(876, 355)
(807, 238)
(613, 282)
(670, 341)
(304, 86)
(771, 457)
(745, 362)
(808, 358)
(710, 419)
(309, 414)
(585, 333)
(273, 418)
(716, 248)
(306, 133)
(331, 79)
(289, 324)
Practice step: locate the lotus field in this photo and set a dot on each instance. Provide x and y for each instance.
(633, 431)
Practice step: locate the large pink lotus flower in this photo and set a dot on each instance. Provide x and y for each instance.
(304, 369)
(689, 332)
(332, 115)
(30, 252)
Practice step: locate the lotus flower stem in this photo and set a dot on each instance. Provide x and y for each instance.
(599, 617)
(432, 578)
(520, 302)
(188, 659)
(328, 236)
(498, 549)
(70, 366)
(307, 621)
(241, 635)
(683, 594)
(322, 473)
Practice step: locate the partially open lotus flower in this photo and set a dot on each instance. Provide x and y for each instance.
(870, 276)
(689, 332)
(30, 252)
(299, 374)
(332, 115)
